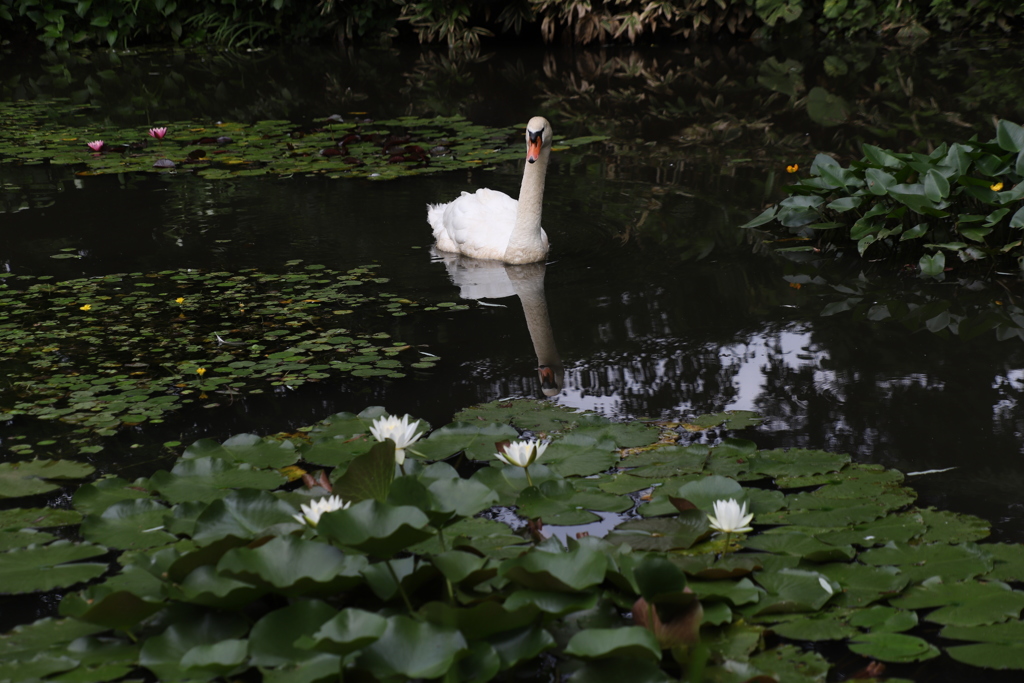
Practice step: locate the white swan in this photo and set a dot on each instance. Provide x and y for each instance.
(491, 225)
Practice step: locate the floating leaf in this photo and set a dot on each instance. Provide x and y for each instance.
(49, 566)
(294, 566)
(413, 649)
(893, 647)
(30, 477)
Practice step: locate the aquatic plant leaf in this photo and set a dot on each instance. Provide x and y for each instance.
(347, 631)
(43, 568)
(216, 658)
(337, 451)
(815, 627)
(797, 462)
(475, 439)
(245, 514)
(43, 664)
(623, 435)
(667, 461)
(862, 584)
(556, 603)
(509, 482)
(25, 641)
(538, 416)
(952, 527)
(481, 621)
(920, 562)
(37, 518)
(376, 528)
(659, 579)
(95, 497)
(964, 604)
(1007, 632)
(800, 544)
(346, 425)
(294, 567)
(368, 476)
(824, 513)
(789, 662)
(456, 565)
(275, 638)
(893, 647)
(414, 649)
(1009, 561)
(207, 479)
(1003, 655)
(204, 586)
(880, 619)
(730, 419)
(133, 523)
(32, 477)
(465, 496)
(901, 527)
(793, 590)
(738, 593)
(661, 534)
(627, 641)
(705, 491)
(245, 448)
(163, 654)
(579, 455)
(521, 645)
(555, 502)
(19, 539)
(120, 609)
(552, 570)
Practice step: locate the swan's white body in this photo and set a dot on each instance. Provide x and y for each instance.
(488, 224)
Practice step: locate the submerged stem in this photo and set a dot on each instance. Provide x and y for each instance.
(401, 590)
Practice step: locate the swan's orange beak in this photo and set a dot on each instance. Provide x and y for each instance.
(533, 144)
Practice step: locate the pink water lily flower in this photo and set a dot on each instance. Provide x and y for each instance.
(158, 133)
(96, 145)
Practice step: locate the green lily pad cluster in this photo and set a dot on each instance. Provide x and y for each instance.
(34, 132)
(217, 575)
(126, 348)
(963, 199)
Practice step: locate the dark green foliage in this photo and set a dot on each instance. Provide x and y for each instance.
(460, 24)
(408, 584)
(962, 200)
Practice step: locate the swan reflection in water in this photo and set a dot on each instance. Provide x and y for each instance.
(483, 279)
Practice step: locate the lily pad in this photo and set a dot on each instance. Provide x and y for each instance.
(31, 477)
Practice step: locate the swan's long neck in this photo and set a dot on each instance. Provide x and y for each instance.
(526, 243)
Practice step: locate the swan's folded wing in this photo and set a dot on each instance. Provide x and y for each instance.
(482, 219)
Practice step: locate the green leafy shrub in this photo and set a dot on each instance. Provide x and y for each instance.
(962, 199)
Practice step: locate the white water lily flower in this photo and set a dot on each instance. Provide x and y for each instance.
(730, 517)
(311, 513)
(399, 431)
(522, 453)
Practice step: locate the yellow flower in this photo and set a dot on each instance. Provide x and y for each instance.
(87, 307)
(793, 169)
(200, 371)
(996, 188)
(180, 300)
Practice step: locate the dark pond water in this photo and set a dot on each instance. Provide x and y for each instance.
(657, 306)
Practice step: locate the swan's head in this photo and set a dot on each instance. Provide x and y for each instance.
(538, 137)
